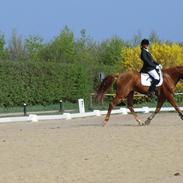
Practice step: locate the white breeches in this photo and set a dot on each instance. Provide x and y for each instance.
(154, 74)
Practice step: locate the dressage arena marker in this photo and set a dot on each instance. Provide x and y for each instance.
(81, 106)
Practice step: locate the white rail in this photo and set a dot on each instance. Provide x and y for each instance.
(68, 116)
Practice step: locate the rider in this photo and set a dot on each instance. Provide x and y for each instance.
(150, 66)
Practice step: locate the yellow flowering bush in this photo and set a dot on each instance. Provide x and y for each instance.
(169, 55)
(131, 59)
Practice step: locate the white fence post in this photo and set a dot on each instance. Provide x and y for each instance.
(81, 106)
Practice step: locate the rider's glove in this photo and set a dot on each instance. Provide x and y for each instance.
(160, 66)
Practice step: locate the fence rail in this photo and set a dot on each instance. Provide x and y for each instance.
(34, 117)
(112, 95)
(68, 116)
(136, 95)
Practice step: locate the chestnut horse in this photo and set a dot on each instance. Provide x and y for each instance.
(129, 82)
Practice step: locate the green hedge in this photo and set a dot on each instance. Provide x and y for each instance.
(47, 83)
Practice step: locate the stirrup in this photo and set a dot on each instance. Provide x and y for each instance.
(157, 93)
(151, 94)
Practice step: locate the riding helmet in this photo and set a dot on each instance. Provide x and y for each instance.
(144, 42)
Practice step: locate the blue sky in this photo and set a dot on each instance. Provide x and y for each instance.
(101, 18)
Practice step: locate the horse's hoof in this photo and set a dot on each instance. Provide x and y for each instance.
(141, 123)
(104, 124)
(147, 122)
(181, 116)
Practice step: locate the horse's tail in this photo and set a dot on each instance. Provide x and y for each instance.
(105, 85)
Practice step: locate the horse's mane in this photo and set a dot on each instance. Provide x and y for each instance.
(174, 70)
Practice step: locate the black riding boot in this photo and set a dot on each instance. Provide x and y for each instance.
(152, 88)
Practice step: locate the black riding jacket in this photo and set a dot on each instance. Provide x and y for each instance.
(149, 63)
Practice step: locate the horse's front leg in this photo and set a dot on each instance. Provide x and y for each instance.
(114, 102)
(161, 100)
(140, 122)
(130, 107)
(174, 104)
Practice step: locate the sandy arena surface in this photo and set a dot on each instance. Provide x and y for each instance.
(82, 151)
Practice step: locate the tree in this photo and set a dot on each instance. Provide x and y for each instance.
(16, 47)
(61, 49)
(2, 46)
(137, 39)
(33, 46)
(85, 49)
(110, 51)
(154, 38)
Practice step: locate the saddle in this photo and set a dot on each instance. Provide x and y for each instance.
(146, 79)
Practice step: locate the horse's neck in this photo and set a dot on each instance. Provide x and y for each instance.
(175, 74)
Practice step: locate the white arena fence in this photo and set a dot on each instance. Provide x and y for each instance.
(81, 114)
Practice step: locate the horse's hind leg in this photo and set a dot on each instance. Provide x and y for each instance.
(130, 107)
(114, 102)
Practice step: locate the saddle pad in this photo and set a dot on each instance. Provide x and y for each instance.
(146, 80)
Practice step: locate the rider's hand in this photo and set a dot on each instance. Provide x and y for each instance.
(160, 66)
